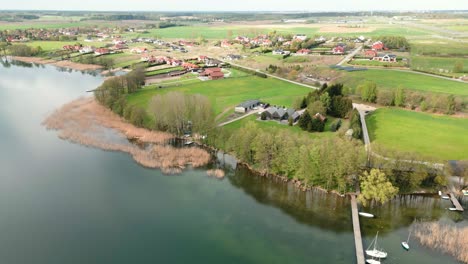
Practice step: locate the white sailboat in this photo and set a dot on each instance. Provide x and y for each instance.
(366, 214)
(372, 261)
(405, 244)
(375, 251)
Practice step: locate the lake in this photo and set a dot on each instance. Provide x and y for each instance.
(65, 203)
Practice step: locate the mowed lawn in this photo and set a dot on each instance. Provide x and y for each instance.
(273, 126)
(439, 137)
(392, 79)
(227, 93)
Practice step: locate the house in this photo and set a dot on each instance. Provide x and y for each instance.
(76, 47)
(278, 113)
(202, 58)
(213, 73)
(266, 43)
(378, 45)
(119, 46)
(213, 62)
(386, 58)
(148, 58)
(190, 66)
(320, 117)
(300, 37)
(101, 51)
(246, 106)
(139, 50)
(320, 39)
(233, 57)
(370, 53)
(86, 49)
(303, 52)
(338, 50)
(225, 44)
(281, 52)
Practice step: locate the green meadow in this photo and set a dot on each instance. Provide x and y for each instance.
(439, 137)
(227, 93)
(392, 79)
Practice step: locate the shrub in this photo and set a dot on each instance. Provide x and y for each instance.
(335, 125)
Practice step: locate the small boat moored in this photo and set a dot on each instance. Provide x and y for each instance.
(465, 192)
(366, 215)
(376, 252)
(445, 197)
(372, 261)
(188, 143)
(453, 209)
(405, 244)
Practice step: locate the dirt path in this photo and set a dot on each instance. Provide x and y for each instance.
(239, 118)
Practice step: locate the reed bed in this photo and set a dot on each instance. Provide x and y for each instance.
(447, 239)
(82, 120)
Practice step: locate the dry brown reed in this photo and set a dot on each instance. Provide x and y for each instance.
(448, 239)
(215, 173)
(82, 120)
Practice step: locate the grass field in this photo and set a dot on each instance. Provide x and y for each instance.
(438, 47)
(437, 64)
(273, 126)
(391, 79)
(439, 137)
(366, 62)
(228, 93)
(224, 32)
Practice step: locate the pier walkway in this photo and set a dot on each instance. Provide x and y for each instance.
(357, 231)
(455, 202)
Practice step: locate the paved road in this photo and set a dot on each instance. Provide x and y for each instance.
(272, 76)
(350, 55)
(239, 118)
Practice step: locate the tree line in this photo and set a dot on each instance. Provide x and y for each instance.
(427, 101)
(329, 163)
(112, 94)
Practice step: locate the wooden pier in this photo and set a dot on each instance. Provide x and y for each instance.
(357, 232)
(455, 202)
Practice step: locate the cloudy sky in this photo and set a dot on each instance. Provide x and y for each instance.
(234, 5)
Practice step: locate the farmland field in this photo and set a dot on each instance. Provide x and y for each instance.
(392, 79)
(437, 64)
(438, 47)
(439, 137)
(227, 93)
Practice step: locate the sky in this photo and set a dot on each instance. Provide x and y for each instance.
(233, 5)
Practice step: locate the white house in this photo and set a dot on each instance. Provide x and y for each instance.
(301, 37)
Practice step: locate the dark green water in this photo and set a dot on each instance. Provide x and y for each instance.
(65, 203)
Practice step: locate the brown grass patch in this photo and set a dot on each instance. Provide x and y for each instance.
(448, 239)
(86, 122)
(216, 173)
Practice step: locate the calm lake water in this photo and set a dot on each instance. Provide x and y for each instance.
(65, 203)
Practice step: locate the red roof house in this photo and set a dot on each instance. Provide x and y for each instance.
(378, 45)
(370, 53)
(338, 50)
(303, 51)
